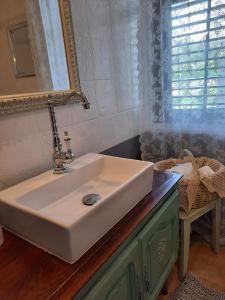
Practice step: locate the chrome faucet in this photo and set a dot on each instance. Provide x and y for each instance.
(61, 157)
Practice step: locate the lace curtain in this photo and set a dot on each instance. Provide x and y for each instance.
(179, 104)
(196, 77)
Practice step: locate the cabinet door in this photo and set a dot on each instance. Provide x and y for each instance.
(123, 279)
(159, 247)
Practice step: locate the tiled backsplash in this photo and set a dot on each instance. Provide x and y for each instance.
(107, 46)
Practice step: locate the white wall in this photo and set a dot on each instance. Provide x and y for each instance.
(108, 61)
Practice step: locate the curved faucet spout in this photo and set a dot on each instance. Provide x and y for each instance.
(84, 100)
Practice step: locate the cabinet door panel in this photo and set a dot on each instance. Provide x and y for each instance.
(122, 281)
(159, 244)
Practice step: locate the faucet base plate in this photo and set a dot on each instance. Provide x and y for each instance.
(60, 170)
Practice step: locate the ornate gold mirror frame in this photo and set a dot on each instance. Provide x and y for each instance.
(33, 101)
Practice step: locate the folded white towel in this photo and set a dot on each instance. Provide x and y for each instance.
(184, 169)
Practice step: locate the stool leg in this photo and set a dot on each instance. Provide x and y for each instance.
(184, 247)
(216, 216)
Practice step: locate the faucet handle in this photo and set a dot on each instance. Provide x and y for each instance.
(67, 140)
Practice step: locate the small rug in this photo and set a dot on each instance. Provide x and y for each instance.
(193, 289)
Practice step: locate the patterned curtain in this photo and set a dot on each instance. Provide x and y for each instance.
(181, 105)
(160, 50)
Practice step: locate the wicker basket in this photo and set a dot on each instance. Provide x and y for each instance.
(203, 196)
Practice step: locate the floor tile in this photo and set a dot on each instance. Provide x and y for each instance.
(208, 266)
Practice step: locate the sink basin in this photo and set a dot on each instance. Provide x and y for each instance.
(56, 212)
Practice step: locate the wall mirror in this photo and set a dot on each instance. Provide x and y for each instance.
(37, 54)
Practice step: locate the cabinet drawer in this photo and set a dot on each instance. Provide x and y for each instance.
(159, 246)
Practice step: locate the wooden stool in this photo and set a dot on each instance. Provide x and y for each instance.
(185, 230)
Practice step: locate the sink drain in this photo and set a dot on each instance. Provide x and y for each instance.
(91, 199)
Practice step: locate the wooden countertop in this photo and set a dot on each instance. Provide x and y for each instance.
(27, 272)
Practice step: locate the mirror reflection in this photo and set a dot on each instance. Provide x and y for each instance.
(32, 51)
(21, 50)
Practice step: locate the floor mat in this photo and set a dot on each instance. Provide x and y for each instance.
(192, 289)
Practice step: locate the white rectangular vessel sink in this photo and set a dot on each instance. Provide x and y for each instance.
(48, 210)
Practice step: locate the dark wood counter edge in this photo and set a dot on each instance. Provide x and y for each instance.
(30, 273)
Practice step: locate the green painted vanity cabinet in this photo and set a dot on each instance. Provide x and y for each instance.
(122, 281)
(140, 271)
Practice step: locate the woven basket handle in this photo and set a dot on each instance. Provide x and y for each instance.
(187, 155)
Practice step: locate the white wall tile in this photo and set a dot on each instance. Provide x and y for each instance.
(123, 69)
(102, 58)
(42, 120)
(108, 130)
(116, 128)
(122, 57)
(80, 19)
(124, 120)
(105, 96)
(85, 137)
(12, 127)
(64, 114)
(119, 16)
(124, 92)
(85, 58)
(46, 148)
(98, 18)
(21, 160)
(78, 113)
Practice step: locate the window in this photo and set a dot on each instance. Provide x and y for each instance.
(198, 54)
